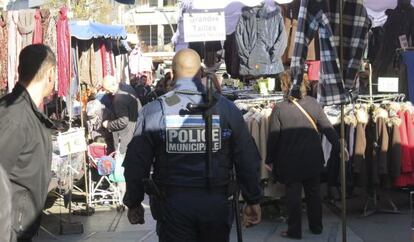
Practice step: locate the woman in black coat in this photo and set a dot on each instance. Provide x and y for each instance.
(296, 158)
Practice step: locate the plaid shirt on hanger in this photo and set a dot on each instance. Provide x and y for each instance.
(317, 17)
(355, 26)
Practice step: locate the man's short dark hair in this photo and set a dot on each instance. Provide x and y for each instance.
(34, 60)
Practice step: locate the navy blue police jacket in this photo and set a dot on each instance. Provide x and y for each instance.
(172, 140)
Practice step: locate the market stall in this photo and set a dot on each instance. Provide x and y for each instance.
(331, 47)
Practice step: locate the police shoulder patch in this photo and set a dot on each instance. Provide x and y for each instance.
(172, 100)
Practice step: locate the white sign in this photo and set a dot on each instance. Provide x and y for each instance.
(403, 41)
(71, 142)
(388, 84)
(204, 27)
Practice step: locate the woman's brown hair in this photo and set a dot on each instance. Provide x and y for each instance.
(286, 83)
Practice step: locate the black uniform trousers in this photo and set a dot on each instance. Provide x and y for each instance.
(195, 216)
(313, 203)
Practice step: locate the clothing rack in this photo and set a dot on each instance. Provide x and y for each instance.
(376, 208)
(261, 99)
(371, 205)
(381, 98)
(401, 50)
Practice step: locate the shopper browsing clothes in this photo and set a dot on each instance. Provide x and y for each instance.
(170, 138)
(123, 118)
(25, 141)
(295, 155)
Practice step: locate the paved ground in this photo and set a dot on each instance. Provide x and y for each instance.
(109, 225)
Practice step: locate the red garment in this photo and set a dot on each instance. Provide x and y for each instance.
(406, 163)
(404, 180)
(63, 52)
(107, 64)
(313, 70)
(410, 135)
(38, 31)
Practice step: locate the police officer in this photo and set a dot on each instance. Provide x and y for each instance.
(171, 139)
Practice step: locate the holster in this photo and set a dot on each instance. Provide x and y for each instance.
(233, 190)
(156, 198)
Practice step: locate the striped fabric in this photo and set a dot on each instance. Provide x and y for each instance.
(315, 16)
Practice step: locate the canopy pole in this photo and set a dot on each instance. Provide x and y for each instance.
(342, 139)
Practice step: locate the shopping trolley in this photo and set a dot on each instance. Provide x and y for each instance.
(103, 191)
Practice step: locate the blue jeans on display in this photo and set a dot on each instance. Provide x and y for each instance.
(408, 59)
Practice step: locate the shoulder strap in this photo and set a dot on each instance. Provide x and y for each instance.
(306, 114)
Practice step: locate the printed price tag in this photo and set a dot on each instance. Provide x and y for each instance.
(71, 142)
(403, 41)
(388, 84)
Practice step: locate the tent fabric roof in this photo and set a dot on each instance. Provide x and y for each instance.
(85, 30)
(220, 4)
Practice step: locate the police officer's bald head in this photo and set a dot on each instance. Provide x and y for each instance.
(186, 64)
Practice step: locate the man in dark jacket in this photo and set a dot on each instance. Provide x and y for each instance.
(170, 138)
(125, 107)
(6, 207)
(25, 141)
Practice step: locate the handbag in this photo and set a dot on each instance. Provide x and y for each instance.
(306, 114)
(118, 174)
(105, 165)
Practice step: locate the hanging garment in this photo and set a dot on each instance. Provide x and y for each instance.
(317, 17)
(313, 70)
(400, 22)
(38, 30)
(98, 62)
(375, 37)
(134, 57)
(291, 26)
(84, 59)
(3, 52)
(311, 19)
(26, 26)
(406, 178)
(51, 33)
(410, 134)
(231, 56)
(261, 41)
(107, 64)
(291, 10)
(85, 66)
(14, 47)
(45, 19)
(394, 151)
(380, 167)
(378, 19)
(406, 163)
(210, 52)
(360, 147)
(355, 25)
(63, 52)
(74, 84)
(408, 59)
(264, 135)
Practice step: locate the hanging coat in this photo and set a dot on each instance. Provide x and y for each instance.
(261, 41)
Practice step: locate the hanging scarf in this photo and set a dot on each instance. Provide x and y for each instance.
(107, 62)
(38, 30)
(63, 52)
